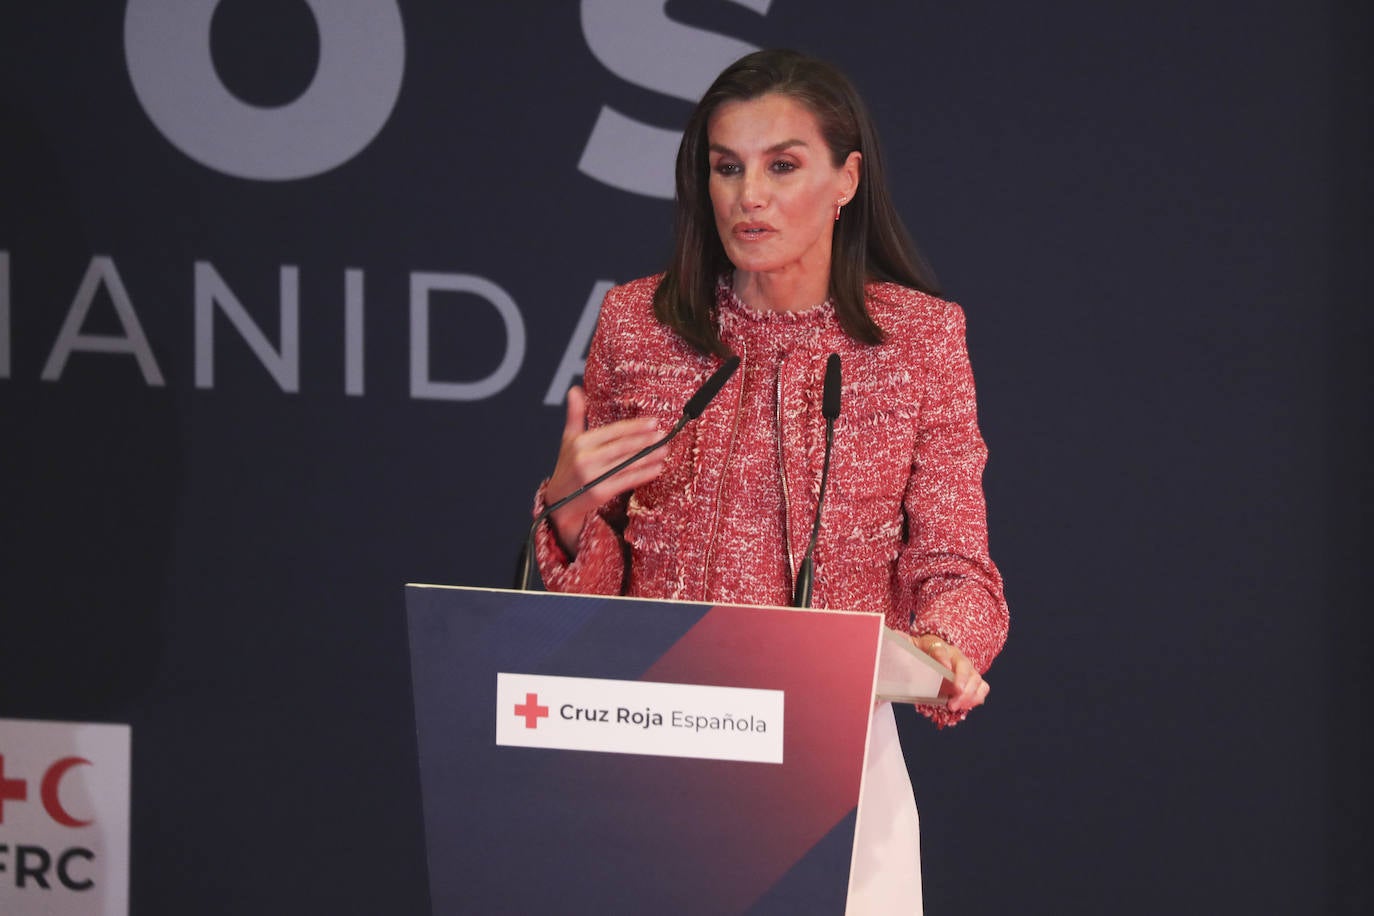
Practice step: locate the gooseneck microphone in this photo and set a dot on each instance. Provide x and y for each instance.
(690, 411)
(830, 409)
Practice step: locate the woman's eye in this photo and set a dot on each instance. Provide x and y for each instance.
(784, 165)
(727, 168)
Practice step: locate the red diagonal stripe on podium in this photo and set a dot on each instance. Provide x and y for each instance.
(766, 815)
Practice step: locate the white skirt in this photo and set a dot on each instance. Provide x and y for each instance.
(885, 875)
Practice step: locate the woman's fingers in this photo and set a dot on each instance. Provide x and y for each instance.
(970, 689)
(967, 688)
(576, 421)
(586, 456)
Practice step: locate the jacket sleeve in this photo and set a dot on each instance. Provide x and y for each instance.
(948, 585)
(600, 564)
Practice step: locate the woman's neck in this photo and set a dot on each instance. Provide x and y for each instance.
(781, 292)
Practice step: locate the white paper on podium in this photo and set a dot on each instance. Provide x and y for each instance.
(906, 674)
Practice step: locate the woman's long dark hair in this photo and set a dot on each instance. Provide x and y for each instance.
(870, 242)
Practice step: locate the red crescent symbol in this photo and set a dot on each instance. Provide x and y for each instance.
(48, 792)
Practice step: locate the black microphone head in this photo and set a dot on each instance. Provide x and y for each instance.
(710, 389)
(830, 404)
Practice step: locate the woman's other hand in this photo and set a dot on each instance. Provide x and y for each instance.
(585, 454)
(968, 689)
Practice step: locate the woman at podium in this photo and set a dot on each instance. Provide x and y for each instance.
(788, 252)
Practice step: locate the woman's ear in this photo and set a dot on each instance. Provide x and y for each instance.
(852, 170)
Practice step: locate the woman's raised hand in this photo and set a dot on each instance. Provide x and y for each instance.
(584, 454)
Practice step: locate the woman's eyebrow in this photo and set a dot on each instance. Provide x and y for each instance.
(775, 148)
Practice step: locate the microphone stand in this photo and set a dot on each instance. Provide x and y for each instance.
(830, 408)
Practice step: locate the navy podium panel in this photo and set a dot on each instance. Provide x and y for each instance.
(514, 829)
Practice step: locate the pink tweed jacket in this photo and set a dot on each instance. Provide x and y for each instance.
(904, 530)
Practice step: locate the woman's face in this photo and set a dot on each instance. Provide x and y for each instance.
(773, 187)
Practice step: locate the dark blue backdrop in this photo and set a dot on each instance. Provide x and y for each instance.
(1155, 216)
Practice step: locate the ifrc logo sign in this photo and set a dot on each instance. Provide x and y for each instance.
(64, 818)
(17, 790)
(639, 717)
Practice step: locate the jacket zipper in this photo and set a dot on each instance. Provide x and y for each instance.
(720, 486)
(782, 473)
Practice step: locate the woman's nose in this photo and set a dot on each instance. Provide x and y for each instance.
(753, 192)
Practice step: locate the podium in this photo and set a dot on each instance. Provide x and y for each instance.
(585, 754)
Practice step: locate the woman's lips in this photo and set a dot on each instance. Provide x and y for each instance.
(751, 231)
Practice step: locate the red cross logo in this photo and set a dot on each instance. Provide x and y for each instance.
(532, 711)
(18, 789)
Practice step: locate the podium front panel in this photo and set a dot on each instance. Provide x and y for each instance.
(647, 826)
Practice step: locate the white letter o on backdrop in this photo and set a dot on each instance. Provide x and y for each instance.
(362, 60)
